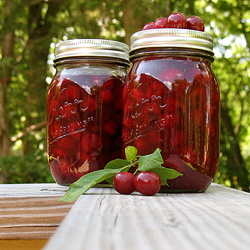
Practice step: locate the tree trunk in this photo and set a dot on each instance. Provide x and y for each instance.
(38, 46)
(238, 165)
(131, 23)
(4, 129)
(5, 79)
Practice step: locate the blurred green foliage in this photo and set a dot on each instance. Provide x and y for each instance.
(29, 31)
(30, 168)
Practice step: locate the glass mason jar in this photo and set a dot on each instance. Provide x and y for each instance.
(172, 102)
(84, 107)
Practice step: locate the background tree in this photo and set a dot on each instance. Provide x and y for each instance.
(29, 31)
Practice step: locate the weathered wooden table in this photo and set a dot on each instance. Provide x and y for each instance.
(102, 219)
(30, 214)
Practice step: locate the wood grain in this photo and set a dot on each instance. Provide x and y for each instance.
(104, 220)
(22, 244)
(31, 211)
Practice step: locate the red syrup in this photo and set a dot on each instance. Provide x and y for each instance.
(84, 121)
(173, 103)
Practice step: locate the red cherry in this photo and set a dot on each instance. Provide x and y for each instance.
(91, 142)
(73, 92)
(152, 108)
(53, 107)
(128, 121)
(69, 91)
(67, 142)
(161, 23)
(195, 23)
(72, 129)
(55, 130)
(137, 95)
(149, 26)
(74, 126)
(147, 183)
(63, 152)
(176, 20)
(109, 83)
(168, 121)
(111, 127)
(67, 110)
(142, 121)
(140, 144)
(143, 87)
(153, 138)
(106, 96)
(157, 89)
(118, 104)
(124, 182)
(89, 104)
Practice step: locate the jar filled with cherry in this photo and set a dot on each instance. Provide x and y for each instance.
(171, 100)
(84, 107)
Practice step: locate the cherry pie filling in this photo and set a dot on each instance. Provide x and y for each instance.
(84, 124)
(173, 103)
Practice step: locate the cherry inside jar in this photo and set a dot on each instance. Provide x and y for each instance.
(171, 101)
(85, 109)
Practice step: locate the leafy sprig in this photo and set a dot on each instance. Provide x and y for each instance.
(151, 162)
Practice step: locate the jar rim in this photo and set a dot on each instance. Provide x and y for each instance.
(171, 38)
(91, 48)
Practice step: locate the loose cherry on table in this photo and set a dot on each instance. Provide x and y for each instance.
(147, 183)
(124, 182)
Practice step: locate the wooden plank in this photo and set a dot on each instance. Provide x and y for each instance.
(102, 219)
(31, 190)
(31, 211)
(22, 244)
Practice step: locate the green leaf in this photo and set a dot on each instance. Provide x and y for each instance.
(166, 173)
(164, 182)
(131, 153)
(148, 162)
(117, 163)
(86, 182)
(114, 164)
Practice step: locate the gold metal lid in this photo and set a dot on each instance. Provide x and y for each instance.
(92, 48)
(171, 38)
